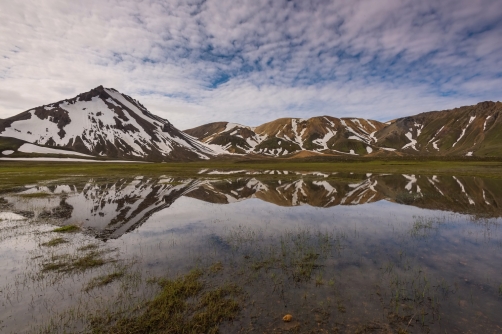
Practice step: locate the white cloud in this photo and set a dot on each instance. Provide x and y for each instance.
(275, 59)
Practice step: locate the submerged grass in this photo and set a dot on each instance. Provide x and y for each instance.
(71, 263)
(67, 229)
(55, 242)
(184, 305)
(103, 280)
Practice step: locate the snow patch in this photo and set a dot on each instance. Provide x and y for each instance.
(486, 120)
(215, 172)
(70, 160)
(369, 149)
(469, 154)
(330, 122)
(463, 130)
(324, 141)
(434, 144)
(30, 148)
(357, 138)
(412, 142)
(7, 152)
(372, 136)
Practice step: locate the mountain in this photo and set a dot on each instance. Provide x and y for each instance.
(98, 123)
(466, 131)
(285, 136)
(105, 124)
(469, 131)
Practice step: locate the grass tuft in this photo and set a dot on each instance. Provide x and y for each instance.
(104, 280)
(184, 305)
(88, 247)
(68, 263)
(55, 242)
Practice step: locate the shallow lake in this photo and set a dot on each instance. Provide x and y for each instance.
(341, 253)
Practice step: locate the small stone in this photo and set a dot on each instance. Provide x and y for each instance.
(287, 318)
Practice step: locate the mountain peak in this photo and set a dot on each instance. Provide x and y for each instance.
(104, 122)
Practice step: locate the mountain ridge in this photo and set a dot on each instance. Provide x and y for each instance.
(464, 131)
(106, 124)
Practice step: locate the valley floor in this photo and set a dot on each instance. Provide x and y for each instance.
(17, 173)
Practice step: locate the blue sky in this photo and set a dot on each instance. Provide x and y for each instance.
(253, 61)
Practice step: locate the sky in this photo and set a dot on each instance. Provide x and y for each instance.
(253, 61)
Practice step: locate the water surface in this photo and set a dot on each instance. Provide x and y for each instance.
(340, 252)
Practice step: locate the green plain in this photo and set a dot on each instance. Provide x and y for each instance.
(16, 173)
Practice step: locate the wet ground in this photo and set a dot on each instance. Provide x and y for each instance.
(340, 253)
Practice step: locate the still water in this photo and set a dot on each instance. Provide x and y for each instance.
(339, 252)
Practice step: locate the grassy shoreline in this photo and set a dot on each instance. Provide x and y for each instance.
(13, 173)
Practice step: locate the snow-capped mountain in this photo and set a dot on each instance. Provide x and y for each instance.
(285, 136)
(101, 122)
(466, 131)
(107, 124)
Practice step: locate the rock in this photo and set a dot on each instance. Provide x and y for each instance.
(287, 318)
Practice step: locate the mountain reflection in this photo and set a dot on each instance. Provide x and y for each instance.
(111, 209)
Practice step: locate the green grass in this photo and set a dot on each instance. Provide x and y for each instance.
(87, 247)
(15, 174)
(183, 305)
(67, 229)
(72, 263)
(55, 242)
(104, 280)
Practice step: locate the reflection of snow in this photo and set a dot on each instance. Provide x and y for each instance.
(412, 180)
(11, 216)
(326, 186)
(471, 202)
(432, 182)
(484, 198)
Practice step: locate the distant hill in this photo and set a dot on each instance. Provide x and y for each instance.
(466, 131)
